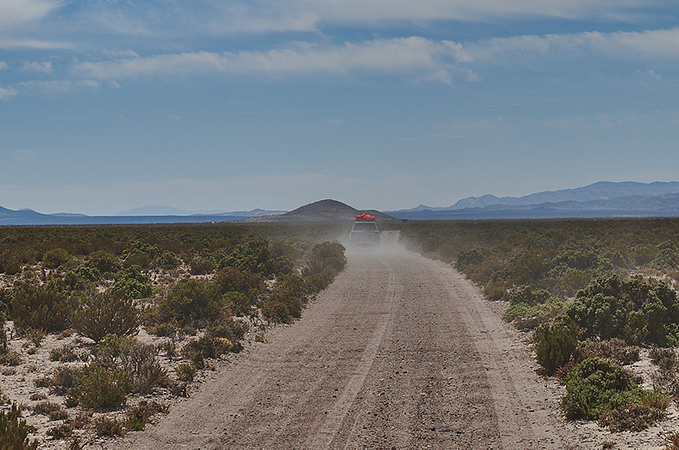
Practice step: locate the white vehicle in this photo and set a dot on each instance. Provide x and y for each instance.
(365, 232)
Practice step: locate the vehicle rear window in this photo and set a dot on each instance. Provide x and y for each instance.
(365, 226)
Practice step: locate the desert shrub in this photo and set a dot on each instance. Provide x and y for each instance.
(473, 257)
(112, 312)
(179, 389)
(10, 358)
(149, 376)
(239, 304)
(9, 263)
(555, 345)
(667, 257)
(103, 262)
(47, 409)
(636, 416)
(327, 258)
(132, 282)
(53, 259)
(638, 311)
(140, 414)
(185, 372)
(135, 358)
(100, 387)
(60, 431)
(672, 441)
(287, 300)
(256, 256)
(6, 296)
(666, 378)
(65, 353)
(615, 349)
(190, 302)
(104, 426)
(206, 346)
(317, 282)
(496, 290)
(168, 260)
(230, 279)
(141, 254)
(202, 266)
(14, 431)
(597, 386)
(41, 307)
(227, 328)
(527, 302)
(61, 381)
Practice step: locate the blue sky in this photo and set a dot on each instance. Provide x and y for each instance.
(109, 105)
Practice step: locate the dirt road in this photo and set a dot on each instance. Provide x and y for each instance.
(400, 352)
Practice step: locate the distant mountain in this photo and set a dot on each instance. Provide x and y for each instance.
(322, 211)
(30, 217)
(170, 211)
(603, 190)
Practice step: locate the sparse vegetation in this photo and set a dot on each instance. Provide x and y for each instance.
(14, 431)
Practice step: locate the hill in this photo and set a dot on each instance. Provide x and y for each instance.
(322, 211)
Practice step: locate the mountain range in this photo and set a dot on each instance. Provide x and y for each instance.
(602, 199)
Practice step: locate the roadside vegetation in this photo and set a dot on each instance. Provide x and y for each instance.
(594, 294)
(109, 323)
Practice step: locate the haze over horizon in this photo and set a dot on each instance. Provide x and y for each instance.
(235, 105)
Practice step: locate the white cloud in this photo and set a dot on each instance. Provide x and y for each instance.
(646, 44)
(31, 44)
(7, 93)
(401, 54)
(55, 87)
(257, 16)
(89, 83)
(438, 59)
(3, 65)
(34, 66)
(15, 12)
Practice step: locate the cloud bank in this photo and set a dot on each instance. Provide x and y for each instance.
(396, 55)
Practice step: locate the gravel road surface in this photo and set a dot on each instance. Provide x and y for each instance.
(400, 352)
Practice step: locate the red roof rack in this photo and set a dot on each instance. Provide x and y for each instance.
(365, 216)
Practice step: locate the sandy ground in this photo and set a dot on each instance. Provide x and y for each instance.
(400, 352)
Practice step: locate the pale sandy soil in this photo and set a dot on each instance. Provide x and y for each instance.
(399, 352)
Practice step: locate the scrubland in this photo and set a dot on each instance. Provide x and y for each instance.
(102, 327)
(591, 296)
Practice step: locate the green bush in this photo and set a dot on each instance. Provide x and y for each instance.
(100, 387)
(638, 311)
(140, 414)
(104, 262)
(597, 386)
(54, 259)
(9, 263)
(137, 359)
(287, 300)
(112, 312)
(202, 266)
(41, 307)
(132, 283)
(234, 280)
(256, 256)
(191, 302)
(103, 426)
(185, 372)
(239, 304)
(327, 258)
(555, 345)
(14, 431)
